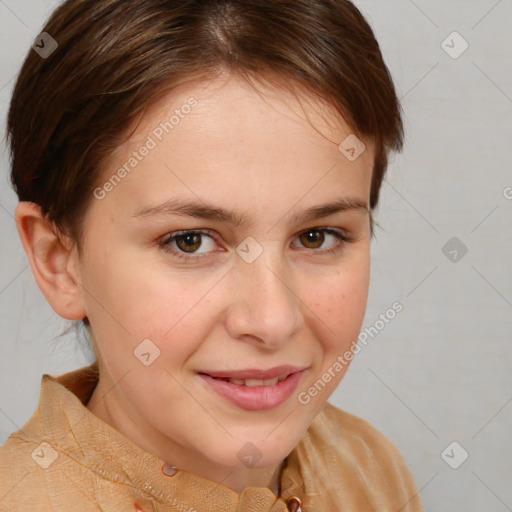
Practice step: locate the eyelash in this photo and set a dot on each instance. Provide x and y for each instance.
(165, 243)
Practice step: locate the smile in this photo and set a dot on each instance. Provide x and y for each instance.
(255, 382)
(253, 394)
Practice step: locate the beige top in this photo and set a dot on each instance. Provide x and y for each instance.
(66, 459)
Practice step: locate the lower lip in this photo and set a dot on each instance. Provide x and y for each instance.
(257, 398)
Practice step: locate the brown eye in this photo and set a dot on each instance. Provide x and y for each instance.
(189, 242)
(312, 239)
(323, 241)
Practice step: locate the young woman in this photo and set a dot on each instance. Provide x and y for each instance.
(196, 182)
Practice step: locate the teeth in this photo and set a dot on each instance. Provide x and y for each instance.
(253, 382)
(257, 382)
(238, 382)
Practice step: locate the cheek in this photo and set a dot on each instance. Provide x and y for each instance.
(175, 312)
(339, 311)
(128, 303)
(340, 301)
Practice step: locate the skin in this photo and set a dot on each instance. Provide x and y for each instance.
(248, 151)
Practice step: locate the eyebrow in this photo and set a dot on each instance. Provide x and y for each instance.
(203, 210)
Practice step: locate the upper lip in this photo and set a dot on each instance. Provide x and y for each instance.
(271, 373)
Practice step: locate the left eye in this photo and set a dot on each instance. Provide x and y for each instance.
(314, 238)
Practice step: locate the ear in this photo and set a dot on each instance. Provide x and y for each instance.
(54, 262)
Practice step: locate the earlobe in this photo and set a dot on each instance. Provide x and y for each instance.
(53, 263)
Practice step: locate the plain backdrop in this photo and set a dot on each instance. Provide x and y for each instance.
(439, 372)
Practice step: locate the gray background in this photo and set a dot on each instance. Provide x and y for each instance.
(437, 373)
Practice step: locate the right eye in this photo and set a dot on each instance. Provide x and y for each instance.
(186, 244)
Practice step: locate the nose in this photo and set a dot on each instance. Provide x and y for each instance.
(265, 308)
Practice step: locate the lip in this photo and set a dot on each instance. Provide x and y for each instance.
(284, 369)
(257, 398)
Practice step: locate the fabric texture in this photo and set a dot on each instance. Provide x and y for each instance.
(66, 459)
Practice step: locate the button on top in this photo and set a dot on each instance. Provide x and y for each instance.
(169, 470)
(294, 504)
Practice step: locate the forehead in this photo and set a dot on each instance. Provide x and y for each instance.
(225, 102)
(230, 142)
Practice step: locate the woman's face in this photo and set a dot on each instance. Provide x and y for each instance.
(214, 253)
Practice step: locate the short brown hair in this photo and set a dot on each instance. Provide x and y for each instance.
(115, 57)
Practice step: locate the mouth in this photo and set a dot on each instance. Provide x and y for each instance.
(255, 377)
(251, 383)
(255, 390)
